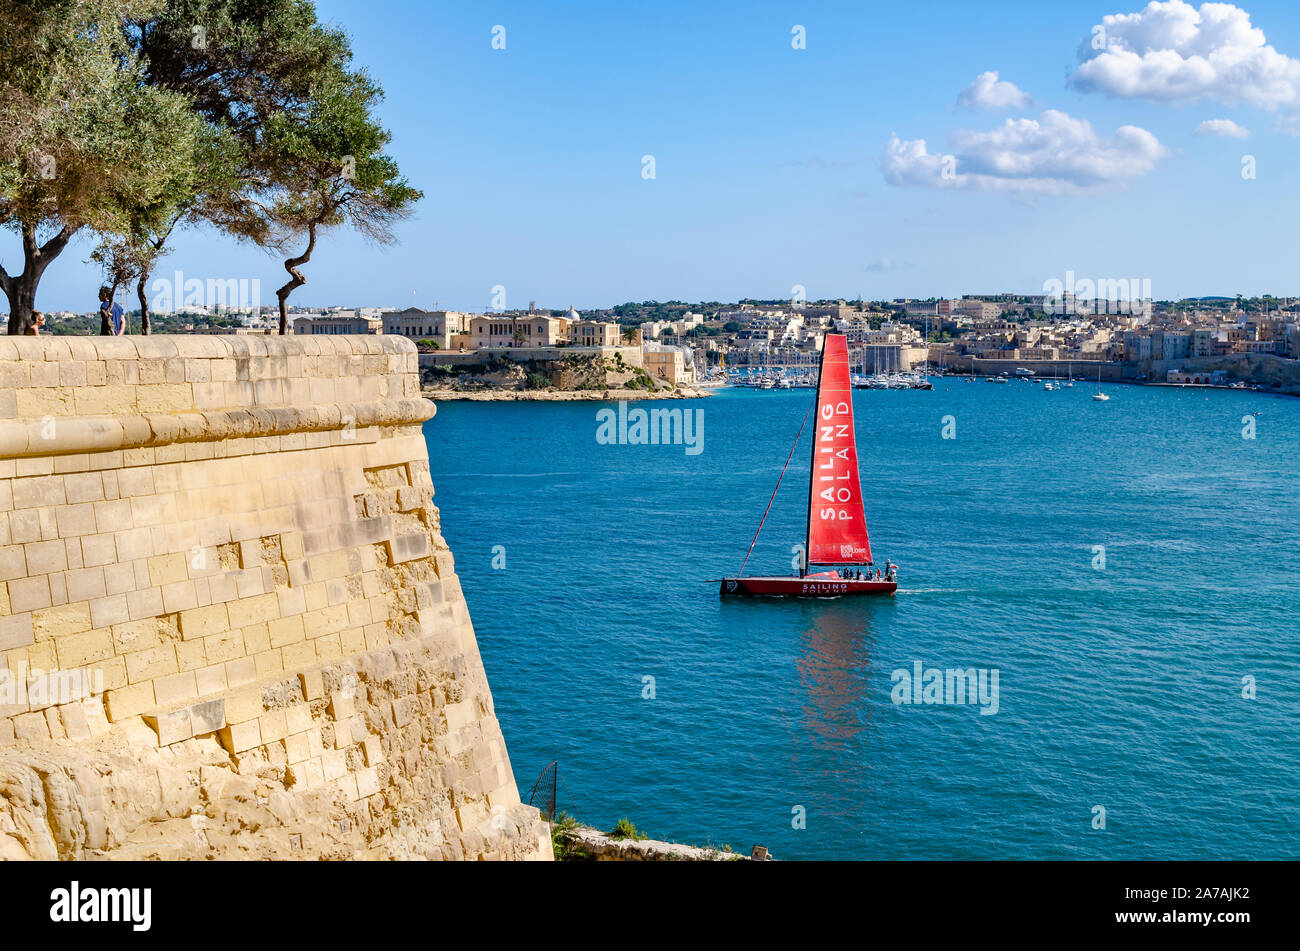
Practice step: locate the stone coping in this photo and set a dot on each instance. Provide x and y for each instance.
(19, 438)
(209, 346)
(61, 395)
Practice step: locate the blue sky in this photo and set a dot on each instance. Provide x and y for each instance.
(770, 161)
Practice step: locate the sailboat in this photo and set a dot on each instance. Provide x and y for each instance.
(1099, 396)
(837, 525)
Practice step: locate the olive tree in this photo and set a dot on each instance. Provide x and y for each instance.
(329, 169)
(84, 140)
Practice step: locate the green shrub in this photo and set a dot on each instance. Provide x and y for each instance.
(626, 830)
(561, 827)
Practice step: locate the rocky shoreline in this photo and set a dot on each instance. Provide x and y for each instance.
(585, 844)
(558, 396)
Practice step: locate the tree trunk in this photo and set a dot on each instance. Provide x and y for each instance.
(21, 291)
(146, 269)
(144, 302)
(296, 278)
(21, 288)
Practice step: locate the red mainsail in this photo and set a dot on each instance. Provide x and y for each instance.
(837, 525)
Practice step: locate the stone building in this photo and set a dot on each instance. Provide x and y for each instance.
(673, 364)
(440, 326)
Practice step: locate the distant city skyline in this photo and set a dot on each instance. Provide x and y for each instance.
(928, 150)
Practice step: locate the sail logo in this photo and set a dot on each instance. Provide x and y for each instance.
(655, 427)
(953, 686)
(835, 453)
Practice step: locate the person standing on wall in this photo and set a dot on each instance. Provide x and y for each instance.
(112, 318)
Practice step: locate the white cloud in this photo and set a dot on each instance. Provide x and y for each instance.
(1054, 154)
(1173, 51)
(1222, 127)
(988, 92)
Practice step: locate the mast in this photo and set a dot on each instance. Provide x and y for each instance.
(812, 459)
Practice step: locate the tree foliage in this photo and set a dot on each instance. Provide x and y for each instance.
(84, 140)
(134, 118)
(328, 168)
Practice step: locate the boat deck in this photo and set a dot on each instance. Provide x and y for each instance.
(810, 587)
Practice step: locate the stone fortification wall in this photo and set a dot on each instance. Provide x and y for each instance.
(229, 624)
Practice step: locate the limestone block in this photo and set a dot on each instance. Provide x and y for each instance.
(240, 672)
(211, 679)
(240, 737)
(298, 718)
(129, 701)
(76, 725)
(16, 631)
(302, 654)
(153, 662)
(244, 705)
(204, 621)
(175, 688)
(334, 764)
(81, 650)
(367, 781)
(31, 727)
(342, 705)
(85, 585)
(313, 684)
(297, 749)
(208, 716)
(274, 725)
(347, 785)
(171, 727)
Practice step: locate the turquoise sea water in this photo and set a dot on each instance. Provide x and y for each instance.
(1119, 688)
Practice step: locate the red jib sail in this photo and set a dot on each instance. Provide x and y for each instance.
(837, 526)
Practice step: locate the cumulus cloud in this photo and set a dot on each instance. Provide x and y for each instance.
(1222, 127)
(1053, 154)
(1173, 51)
(989, 92)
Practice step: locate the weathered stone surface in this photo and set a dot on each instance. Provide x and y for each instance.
(586, 843)
(223, 552)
